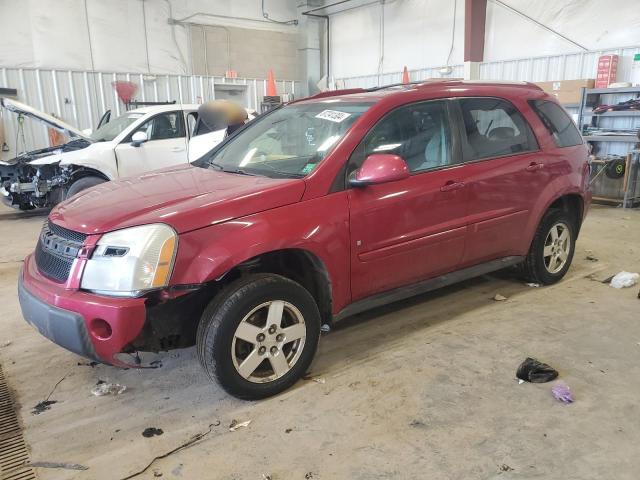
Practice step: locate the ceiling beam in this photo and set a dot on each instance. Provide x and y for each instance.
(475, 16)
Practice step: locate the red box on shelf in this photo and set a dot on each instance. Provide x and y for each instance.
(607, 70)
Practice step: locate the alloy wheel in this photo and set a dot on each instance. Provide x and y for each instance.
(268, 341)
(557, 247)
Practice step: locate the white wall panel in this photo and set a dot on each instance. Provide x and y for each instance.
(46, 34)
(80, 97)
(417, 33)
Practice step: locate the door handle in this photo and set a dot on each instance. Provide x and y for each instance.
(534, 167)
(451, 185)
(177, 149)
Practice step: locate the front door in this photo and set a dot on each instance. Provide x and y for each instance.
(413, 229)
(505, 176)
(166, 146)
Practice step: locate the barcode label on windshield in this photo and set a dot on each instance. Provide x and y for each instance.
(333, 115)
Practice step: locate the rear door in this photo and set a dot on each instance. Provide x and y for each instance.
(505, 174)
(166, 145)
(409, 230)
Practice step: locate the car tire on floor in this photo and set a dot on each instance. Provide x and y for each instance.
(552, 248)
(259, 335)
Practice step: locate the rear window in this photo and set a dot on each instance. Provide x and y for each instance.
(494, 128)
(559, 124)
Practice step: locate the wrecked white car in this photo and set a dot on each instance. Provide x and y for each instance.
(136, 142)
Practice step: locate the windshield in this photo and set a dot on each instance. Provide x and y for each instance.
(289, 142)
(111, 130)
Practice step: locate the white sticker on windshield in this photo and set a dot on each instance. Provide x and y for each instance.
(333, 115)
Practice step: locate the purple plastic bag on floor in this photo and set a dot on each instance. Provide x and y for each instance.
(562, 393)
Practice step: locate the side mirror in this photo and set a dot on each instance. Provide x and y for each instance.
(379, 168)
(138, 138)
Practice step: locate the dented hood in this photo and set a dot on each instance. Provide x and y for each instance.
(50, 121)
(185, 197)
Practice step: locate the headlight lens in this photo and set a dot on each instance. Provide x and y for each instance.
(130, 261)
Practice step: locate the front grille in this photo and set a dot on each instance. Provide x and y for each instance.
(62, 232)
(56, 250)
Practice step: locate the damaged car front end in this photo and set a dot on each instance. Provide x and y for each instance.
(37, 178)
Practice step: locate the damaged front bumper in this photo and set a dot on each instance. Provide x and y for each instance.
(92, 326)
(109, 329)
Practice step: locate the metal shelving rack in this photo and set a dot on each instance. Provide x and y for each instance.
(591, 97)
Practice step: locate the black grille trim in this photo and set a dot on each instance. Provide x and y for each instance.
(67, 234)
(57, 248)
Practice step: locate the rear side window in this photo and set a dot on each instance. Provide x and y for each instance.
(494, 128)
(559, 124)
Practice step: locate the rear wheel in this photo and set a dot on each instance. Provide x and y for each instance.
(552, 248)
(82, 184)
(259, 335)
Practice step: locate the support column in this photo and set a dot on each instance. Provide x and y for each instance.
(311, 48)
(475, 15)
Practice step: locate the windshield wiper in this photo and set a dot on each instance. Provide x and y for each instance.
(242, 172)
(237, 170)
(216, 165)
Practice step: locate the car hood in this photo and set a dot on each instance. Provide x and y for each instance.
(49, 120)
(185, 197)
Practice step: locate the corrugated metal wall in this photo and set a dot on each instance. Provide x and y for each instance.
(80, 98)
(569, 66)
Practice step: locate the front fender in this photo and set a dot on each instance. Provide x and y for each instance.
(319, 226)
(101, 159)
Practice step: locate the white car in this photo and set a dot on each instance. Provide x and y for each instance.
(136, 142)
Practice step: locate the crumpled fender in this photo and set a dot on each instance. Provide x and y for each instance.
(319, 227)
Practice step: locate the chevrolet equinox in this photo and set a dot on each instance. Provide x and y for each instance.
(315, 211)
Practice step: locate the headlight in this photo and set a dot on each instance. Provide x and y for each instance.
(130, 261)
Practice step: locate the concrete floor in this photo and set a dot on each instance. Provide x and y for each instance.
(420, 389)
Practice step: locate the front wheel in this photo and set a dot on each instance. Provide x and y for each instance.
(259, 335)
(82, 184)
(552, 248)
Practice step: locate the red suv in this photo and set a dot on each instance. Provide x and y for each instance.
(315, 211)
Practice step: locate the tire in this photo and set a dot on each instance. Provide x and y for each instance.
(82, 184)
(249, 301)
(615, 168)
(540, 268)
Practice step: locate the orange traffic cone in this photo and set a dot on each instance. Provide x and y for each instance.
(271, 85)
(405, 76)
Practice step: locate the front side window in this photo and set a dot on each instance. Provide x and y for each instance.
(419, 133)
(558, 123)
(493, 128)
(289, 142)
(164, 126)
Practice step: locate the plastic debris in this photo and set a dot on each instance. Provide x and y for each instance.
(103, 388)
(326, 328)
(591, 258)
(235, 425)
(534, 285)
(624, 280)
(520, 381)
(66, 466)
(43, 407)
(87, 364)
(499, 298)
(315, 379)
(152, 432)
(531, 370)
(562, 393)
